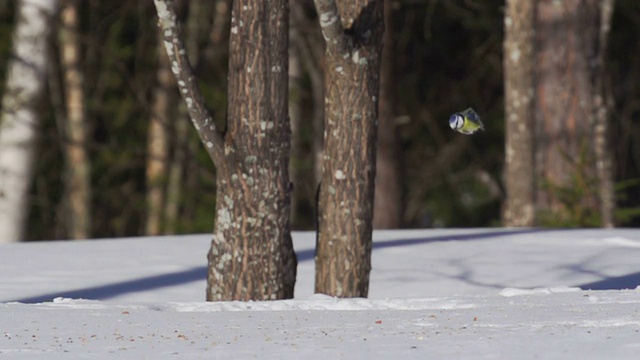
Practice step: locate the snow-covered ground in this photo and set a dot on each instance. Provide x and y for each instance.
(434, 294)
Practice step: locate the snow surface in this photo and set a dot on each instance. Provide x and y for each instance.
(434, 294)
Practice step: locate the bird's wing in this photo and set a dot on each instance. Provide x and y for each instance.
(474, 117)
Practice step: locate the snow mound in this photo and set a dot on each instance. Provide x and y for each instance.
(620, 241)
(508, 292)
(324, 303)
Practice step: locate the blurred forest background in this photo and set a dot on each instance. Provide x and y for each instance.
(149, 174)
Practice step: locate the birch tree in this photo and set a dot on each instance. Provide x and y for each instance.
(19, 119)
(251, 255)
(353, 32)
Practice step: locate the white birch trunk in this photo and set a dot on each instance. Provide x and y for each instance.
(19, 118)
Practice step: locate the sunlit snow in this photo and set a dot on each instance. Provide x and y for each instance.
(434, 294)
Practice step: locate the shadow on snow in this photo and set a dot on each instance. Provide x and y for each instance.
(381, 244)
(104, 292)
(630, 281)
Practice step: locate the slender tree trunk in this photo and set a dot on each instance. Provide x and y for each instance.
(78, 168)
(309, 45)
(19, 120)
(251, 255)
(602, 105)
(220, 13)
(307, 50)
(317, 85)
(158, 145)
(569, 41)
(295, 116)
(343, 252)
(59, 227)
(519, 59)
(175, 177)
(195, 30)
(387, 212)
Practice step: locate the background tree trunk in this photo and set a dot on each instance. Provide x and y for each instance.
(387, 212)
(602, 105)
(175, 179)
(158, 145)
(296, 171)
(251, 255)
(307, 47)
(519, 59)
(78, 167)
(198, 14)
(19, 119)
(568, 42)
(343, 252)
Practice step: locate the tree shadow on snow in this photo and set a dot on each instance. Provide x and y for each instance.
(104, 292)
(624, 282)
(307, 255)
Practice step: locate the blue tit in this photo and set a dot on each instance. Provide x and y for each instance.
(466, 122)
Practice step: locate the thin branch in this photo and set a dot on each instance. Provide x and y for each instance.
(606, 11)
(187, 84)
(331, 25)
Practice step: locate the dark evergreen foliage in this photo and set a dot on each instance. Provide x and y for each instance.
(448, 56)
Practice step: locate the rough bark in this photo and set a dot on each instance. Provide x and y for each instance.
(78, 167)
(569, 43)
(251, 255)
(353, 34)
(519, 59)
(387, 212)
(158, 146)
(19, 118)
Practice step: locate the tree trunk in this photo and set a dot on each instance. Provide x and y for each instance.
(569, 42)
(387, 212)
(175, 179)
(309, 45)
(78, 169)
(307, 48)
(519, 59)
(195, 31)
(353, 33)
(19, 119)
(602, 107)
(158, 146)
(295, 115)
(251, 255)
